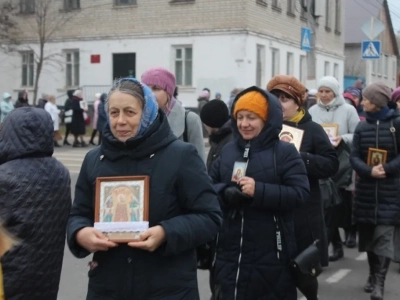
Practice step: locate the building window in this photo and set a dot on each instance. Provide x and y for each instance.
(303, 69)
(337, 16)
(260, 67)
(125, 2)
(183, 66)
(327, 69)
(336, 71)
(28, 65)
(72, 4)
(289, 63)
(275, 3)
(290, 7)
(303, 8)
(386, 66)
(379, 71)
(327, 16)
(27, 6)
(72, 68)
(274, 62)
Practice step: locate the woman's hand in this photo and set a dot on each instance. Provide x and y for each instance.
(336, 141)
(93, 240)
(378, 172)
(248, 185)
(150, 239)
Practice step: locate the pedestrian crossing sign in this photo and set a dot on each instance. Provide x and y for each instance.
(305, 39)
(371, 49)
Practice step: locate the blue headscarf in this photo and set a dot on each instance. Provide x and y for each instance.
(150, 108)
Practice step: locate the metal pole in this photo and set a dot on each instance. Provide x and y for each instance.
(311, 57)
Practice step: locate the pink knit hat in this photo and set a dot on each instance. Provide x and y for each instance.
(396, 95)
(162, 78)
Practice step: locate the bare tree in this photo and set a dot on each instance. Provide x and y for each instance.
(46, 22)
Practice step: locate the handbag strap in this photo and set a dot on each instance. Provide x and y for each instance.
(275, 216)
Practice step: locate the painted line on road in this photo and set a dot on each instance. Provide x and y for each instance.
(69, 154)
(339, 275)
(362, 256)
(72, 165)
(302, 298)
(70, 159)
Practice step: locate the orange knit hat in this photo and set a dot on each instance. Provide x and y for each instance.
(252, 101)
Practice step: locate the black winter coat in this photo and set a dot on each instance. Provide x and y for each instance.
(321, 162)
(218, 140)
(377, 201)
(247, 245)
(182, 200)
(21, 102)
(35, 200)
(78, 126)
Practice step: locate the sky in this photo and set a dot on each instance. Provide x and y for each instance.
(394, 7)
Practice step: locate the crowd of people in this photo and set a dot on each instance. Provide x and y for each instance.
(259, 212)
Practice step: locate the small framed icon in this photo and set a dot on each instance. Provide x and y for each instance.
(376, 157)
(332, 130)
(292, 135)
(239, 170)
(122, 207)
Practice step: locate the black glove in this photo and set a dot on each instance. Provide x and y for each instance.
(233, 196)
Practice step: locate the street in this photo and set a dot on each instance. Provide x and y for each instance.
(342, 280)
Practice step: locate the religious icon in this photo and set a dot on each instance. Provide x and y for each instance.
(331, 130)
(376, 157)
(121, 210)
(239, 170)
(292, 135)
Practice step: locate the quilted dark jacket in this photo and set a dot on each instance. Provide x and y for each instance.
(181, 199)
(246, 265)
(377, 201)
(35, 199)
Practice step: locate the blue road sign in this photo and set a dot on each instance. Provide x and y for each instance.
(305, 39)
(371, 49)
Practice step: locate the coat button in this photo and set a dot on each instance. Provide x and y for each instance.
(129, 260)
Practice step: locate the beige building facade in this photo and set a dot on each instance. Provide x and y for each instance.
(219, 44)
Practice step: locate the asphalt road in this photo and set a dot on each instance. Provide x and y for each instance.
(342, 280)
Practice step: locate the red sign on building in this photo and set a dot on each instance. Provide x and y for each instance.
(95, 58)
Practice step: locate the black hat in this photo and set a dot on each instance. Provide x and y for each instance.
(214, 113)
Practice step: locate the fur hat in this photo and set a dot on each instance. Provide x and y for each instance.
(289, 85)
(377, 93)
(252, 101)
(214, 113)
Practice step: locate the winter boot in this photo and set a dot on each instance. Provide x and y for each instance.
(309, 288)
(369, 286)
(351, 237)
(337, 246)
(381, 268)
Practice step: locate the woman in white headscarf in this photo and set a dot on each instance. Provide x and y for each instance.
(331, 108)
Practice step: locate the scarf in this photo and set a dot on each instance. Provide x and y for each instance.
(167, 109)
(381, 114)
(297, 118)
(150, 108)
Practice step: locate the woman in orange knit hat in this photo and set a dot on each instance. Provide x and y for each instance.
(257, 240)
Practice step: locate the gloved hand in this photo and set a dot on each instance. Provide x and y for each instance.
(233, 196)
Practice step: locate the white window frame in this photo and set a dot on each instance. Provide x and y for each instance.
(72, 68)
(260, 65)
(186, 65)
(336, 71)
(28, 63)
(327, 68)
(303, 69)
(289, 63)
(275, 66)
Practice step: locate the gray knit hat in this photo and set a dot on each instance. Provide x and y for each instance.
(377, 93)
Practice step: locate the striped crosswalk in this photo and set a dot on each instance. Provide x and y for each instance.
(72, 158)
